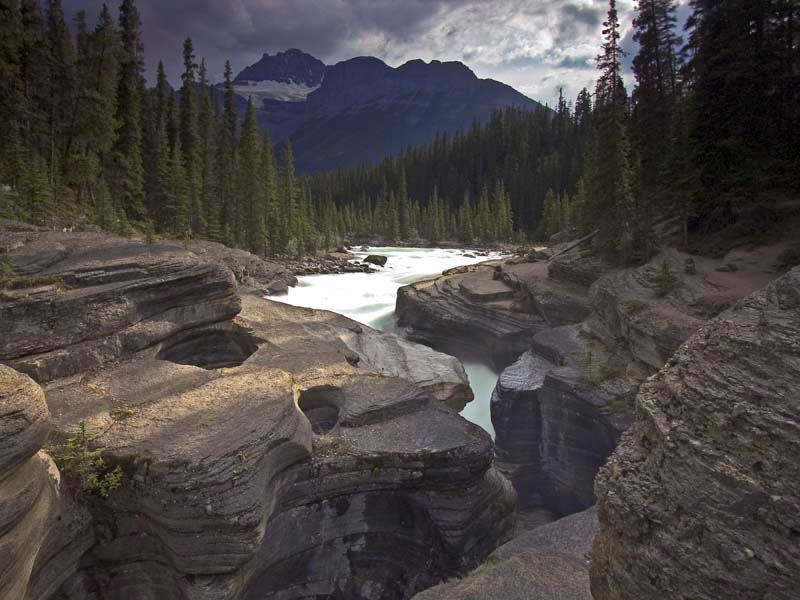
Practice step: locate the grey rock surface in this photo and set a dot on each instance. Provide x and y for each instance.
(268, 451)
(700, 499)
(36, 517)
(548, 563)
(468, 306)
(553, 433)
(103, 298)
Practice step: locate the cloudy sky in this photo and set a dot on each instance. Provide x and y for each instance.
(534, 45)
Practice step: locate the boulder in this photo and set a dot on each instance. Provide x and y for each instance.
(27, 493)
(581, 268)
(376, 259)
(439, 374)
(700, 499)
(254, 272)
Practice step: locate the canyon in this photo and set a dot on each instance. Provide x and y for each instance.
(642, 432)
(588, 350)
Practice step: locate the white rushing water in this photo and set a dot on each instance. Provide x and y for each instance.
(369, 298)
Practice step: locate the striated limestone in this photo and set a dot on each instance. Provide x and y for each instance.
(700, 500)
(31, 511)
(554, 431)
(94, 298)
(467, 307)
(268, 451)
(373, 489)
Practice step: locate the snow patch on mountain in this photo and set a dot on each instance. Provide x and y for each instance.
(273, 90)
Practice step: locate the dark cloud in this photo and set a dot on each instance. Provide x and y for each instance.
(526, 43)
(591, 16)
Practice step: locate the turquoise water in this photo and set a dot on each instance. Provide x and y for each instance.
(369, 298)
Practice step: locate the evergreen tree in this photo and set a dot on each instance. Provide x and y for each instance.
(92, 130)
(208, 174)
(12, 101)
(465, 228)
(35, 81)
(613, 208)
(655, 67)
(269, 181)
(289, 199)
(226, 161)
(250, 191)
(61, 94)
(127, 176)
(177, 193)
(190, 140)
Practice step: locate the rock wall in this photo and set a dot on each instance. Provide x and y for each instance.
(27, 494)
(36, 518)
(554, 431)
(700, 500)
(554, 427)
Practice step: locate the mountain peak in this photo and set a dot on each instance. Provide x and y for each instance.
(292, 66)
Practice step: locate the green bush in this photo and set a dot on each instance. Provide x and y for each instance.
(84, 466)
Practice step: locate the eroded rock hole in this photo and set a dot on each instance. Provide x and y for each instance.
(212, 348)
(320, 405)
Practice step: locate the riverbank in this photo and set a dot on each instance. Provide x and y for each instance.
(371, 298)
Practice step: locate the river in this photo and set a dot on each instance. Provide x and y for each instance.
(369, 298)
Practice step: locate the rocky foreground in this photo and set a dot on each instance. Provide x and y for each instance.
(266, 451)
(699, 500)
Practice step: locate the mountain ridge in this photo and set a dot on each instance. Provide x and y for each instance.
(362, 110)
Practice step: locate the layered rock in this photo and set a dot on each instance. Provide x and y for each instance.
(268, 451)
(27, 495)
(35, 517)
(90, 299)
(556, 416)
(467, 306)
(373, 489)
(700, 499)
(633, 308)
(251, 271)
(555, 429)
(440, 375)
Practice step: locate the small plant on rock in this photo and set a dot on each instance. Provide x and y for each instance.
(665, 280)
(84, 466)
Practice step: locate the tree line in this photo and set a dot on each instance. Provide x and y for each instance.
(85, 139)
(487, 183)
(710, 129)
(711, 126)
